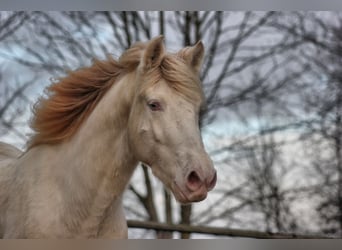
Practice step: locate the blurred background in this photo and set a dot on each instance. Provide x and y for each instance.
(273, 124)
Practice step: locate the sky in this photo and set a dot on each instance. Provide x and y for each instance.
(219, 133)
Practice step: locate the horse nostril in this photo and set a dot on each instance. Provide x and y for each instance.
(193, 181)
(211, 184)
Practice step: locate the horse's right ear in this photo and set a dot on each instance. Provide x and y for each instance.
(152, 54)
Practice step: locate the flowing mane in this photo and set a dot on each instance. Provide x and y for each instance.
(70, 100)
(92, 128)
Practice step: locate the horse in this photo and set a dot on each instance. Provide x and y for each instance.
(91, 130)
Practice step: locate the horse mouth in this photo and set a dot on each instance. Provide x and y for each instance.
(186, 196)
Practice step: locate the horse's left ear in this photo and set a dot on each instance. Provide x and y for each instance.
(194, 56)
(153, 53)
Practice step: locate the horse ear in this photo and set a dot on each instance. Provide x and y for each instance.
(194, 56)
(153, 53)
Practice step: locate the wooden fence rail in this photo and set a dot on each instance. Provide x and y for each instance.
(218, 231)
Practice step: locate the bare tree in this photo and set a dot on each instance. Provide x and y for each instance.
(256, 69)
(321, 100)
(13, 97)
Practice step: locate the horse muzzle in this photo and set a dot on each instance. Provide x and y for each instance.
(195, 188)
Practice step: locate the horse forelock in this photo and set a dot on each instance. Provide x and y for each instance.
(70, 100)
(178, 75)
(181, 77)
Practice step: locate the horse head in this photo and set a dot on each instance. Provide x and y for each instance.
(163, 124)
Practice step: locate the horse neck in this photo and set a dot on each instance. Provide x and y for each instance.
(102, 143)
(97, 160)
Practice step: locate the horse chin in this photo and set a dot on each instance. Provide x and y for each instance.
(183, 196)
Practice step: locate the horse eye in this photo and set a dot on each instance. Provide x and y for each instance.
(154, 105)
